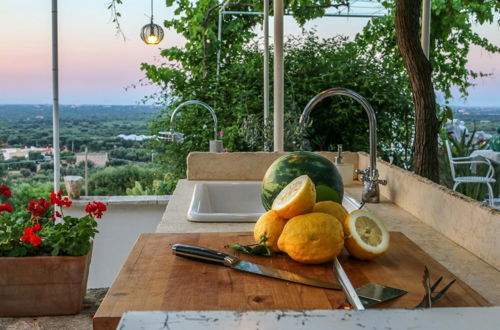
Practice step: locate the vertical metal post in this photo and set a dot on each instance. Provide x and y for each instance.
(55, 96)
(219, 38)
(266, 74)
(219, 33)
(426, 27)
(278, 76)
(86, 171)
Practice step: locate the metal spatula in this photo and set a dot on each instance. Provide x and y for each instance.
(367, 295)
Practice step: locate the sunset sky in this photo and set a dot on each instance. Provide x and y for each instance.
(96, 65)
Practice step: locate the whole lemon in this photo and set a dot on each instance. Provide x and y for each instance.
(312, 238)
(332, 208)
(270, 225)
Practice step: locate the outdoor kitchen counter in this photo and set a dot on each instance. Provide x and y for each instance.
(478, 274)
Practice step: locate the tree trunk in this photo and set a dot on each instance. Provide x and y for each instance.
(420, 73)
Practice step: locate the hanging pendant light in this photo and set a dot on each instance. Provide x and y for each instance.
(152, 33)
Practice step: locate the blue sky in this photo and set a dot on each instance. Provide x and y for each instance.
(96, 65)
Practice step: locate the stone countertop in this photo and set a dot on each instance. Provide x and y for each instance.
(481, 276)
(438, 318)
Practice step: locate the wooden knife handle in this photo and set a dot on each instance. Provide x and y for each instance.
(203, 254)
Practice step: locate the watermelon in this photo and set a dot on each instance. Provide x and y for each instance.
(322, 172)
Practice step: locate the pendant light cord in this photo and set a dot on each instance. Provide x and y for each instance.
(151, 11)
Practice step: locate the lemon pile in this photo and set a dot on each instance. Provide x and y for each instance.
(314, 233)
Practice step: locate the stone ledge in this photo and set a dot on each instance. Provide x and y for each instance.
(124, 200)
(243, 166)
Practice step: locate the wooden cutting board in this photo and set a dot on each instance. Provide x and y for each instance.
(152, 278)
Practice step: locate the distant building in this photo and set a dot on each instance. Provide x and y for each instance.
(98, 158)
(8, 153)
(133, 137)
(485, 121)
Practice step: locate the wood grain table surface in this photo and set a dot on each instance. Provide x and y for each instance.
(152, 278)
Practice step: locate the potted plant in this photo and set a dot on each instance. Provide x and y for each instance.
(44, 255)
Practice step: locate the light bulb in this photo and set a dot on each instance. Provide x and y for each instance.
(152, 39)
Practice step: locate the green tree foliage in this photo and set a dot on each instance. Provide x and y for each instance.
(236, 93)
(133, 154)
(25, 192)
(197, 22)
(68, 157)
(116, 180)
(452, 36)
(25, 172)
(238, 101)
(35, 155)
(336, 62)
(17, 163)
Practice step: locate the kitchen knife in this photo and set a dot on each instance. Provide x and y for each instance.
(369, 294)
(211, 256)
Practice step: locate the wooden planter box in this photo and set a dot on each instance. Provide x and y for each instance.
(36, 286)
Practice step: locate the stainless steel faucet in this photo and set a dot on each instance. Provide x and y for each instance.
(215, 145)
(371, 193)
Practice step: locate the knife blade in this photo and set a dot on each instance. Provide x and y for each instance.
(212, 256)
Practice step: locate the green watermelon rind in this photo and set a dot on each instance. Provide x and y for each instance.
(322, 172)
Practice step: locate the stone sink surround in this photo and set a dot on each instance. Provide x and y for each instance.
(457, 231)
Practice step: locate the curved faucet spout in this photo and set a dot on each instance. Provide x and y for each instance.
(370, 175)
(372, 121)
(203, 104)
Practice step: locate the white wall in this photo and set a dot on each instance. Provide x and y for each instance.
(118, 231)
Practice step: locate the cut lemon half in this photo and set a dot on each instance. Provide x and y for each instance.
(367, 237)
(297, 198)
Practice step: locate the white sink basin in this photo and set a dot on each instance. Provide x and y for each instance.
(234, 201)
(226, 201)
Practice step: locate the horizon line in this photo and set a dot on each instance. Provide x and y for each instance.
(159, 106)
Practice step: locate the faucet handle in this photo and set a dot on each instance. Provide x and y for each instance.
(364, 174)
(360, 171)
(382, 182)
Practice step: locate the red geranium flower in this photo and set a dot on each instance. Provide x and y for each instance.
(4, 190)
(35, 240)
(36, 227)
(95, 209)
(57, 199)
(30, 235)
(38, 208)
(6, 207)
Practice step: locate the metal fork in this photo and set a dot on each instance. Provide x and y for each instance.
(429, 289)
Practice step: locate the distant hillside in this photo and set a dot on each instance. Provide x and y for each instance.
(485, 110)
(95, 126)
(43, 113)
(480, 118)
